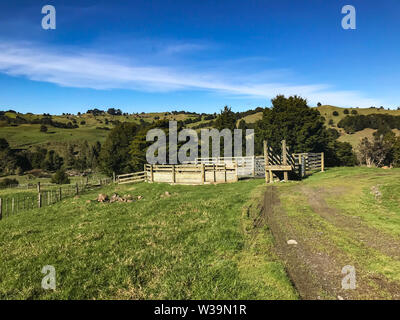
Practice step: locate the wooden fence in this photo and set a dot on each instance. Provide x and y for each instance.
(131, 177)
(44, 197)
(192, 173)
(247, 166)
(310, 161)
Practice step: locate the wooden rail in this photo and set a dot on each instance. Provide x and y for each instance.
(192, 173)
(311, 161)
(131, 177)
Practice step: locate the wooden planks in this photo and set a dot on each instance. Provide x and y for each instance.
(192, 173)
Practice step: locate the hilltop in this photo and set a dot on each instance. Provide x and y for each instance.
(93, 127)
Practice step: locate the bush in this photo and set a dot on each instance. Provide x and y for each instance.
(60, 177)
(3, 144)
(43, 128)
(335, 113)
(345, 111)
(8, 182)
(354, 112)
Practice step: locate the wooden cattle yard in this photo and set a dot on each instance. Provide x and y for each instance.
(183, 174)
(228, 169)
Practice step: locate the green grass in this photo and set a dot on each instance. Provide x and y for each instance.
(199, 243)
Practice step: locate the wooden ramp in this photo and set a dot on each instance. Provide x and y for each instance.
(277, 164)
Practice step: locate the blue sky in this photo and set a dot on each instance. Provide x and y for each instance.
(197, 55)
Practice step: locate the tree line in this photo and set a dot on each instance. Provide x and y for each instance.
(289, 118)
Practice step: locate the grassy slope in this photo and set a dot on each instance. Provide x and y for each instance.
(336, 214)
(24, 136)
(199, 243)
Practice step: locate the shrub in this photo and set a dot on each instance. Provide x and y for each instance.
(3, 144)
(8, 182)
(335, 113)
(354, 112)
(43, 128)
(345, 111)
(60, 177)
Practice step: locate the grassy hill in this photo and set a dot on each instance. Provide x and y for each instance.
(95, 128)
(213, 241)
(91, 128)
(201, 242)
(354, 139)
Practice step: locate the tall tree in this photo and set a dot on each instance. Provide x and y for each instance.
(114, 155)
(226, 119)
(293, 120)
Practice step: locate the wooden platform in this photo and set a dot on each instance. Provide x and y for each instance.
(279, 168)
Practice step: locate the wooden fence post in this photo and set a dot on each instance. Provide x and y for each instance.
(254, 166)
(60, 193)
(12, 205)
(322, 162)
(266, 161)
(284, 159)
(203, 173)
(236, 172)
(214, 173)
(225, 172)
(113, 177)
(1, 208)
(76, 189)
(38, 187)
(151, 173)
(173, 173)
(39, 200)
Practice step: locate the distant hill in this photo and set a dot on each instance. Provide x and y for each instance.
(90, 127)
(331, 121)
(94, 128)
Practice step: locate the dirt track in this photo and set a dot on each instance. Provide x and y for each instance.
(315, 263)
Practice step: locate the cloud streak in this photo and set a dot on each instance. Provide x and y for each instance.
(80, 69)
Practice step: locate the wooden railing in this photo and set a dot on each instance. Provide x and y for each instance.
(131, 177)
(310, 161)
(192, 173)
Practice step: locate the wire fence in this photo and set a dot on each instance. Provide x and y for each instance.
(45, 195)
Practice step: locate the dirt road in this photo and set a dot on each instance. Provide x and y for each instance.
(327, 240)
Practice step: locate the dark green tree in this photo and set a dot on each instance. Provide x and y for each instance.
(60, 177)
(3, 144)
(293, 120)
(226, 119)
(114, 155)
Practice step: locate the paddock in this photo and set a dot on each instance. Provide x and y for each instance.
(272, 166)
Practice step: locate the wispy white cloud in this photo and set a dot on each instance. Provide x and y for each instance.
(77, 68)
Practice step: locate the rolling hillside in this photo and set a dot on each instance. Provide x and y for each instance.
(95, 128)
